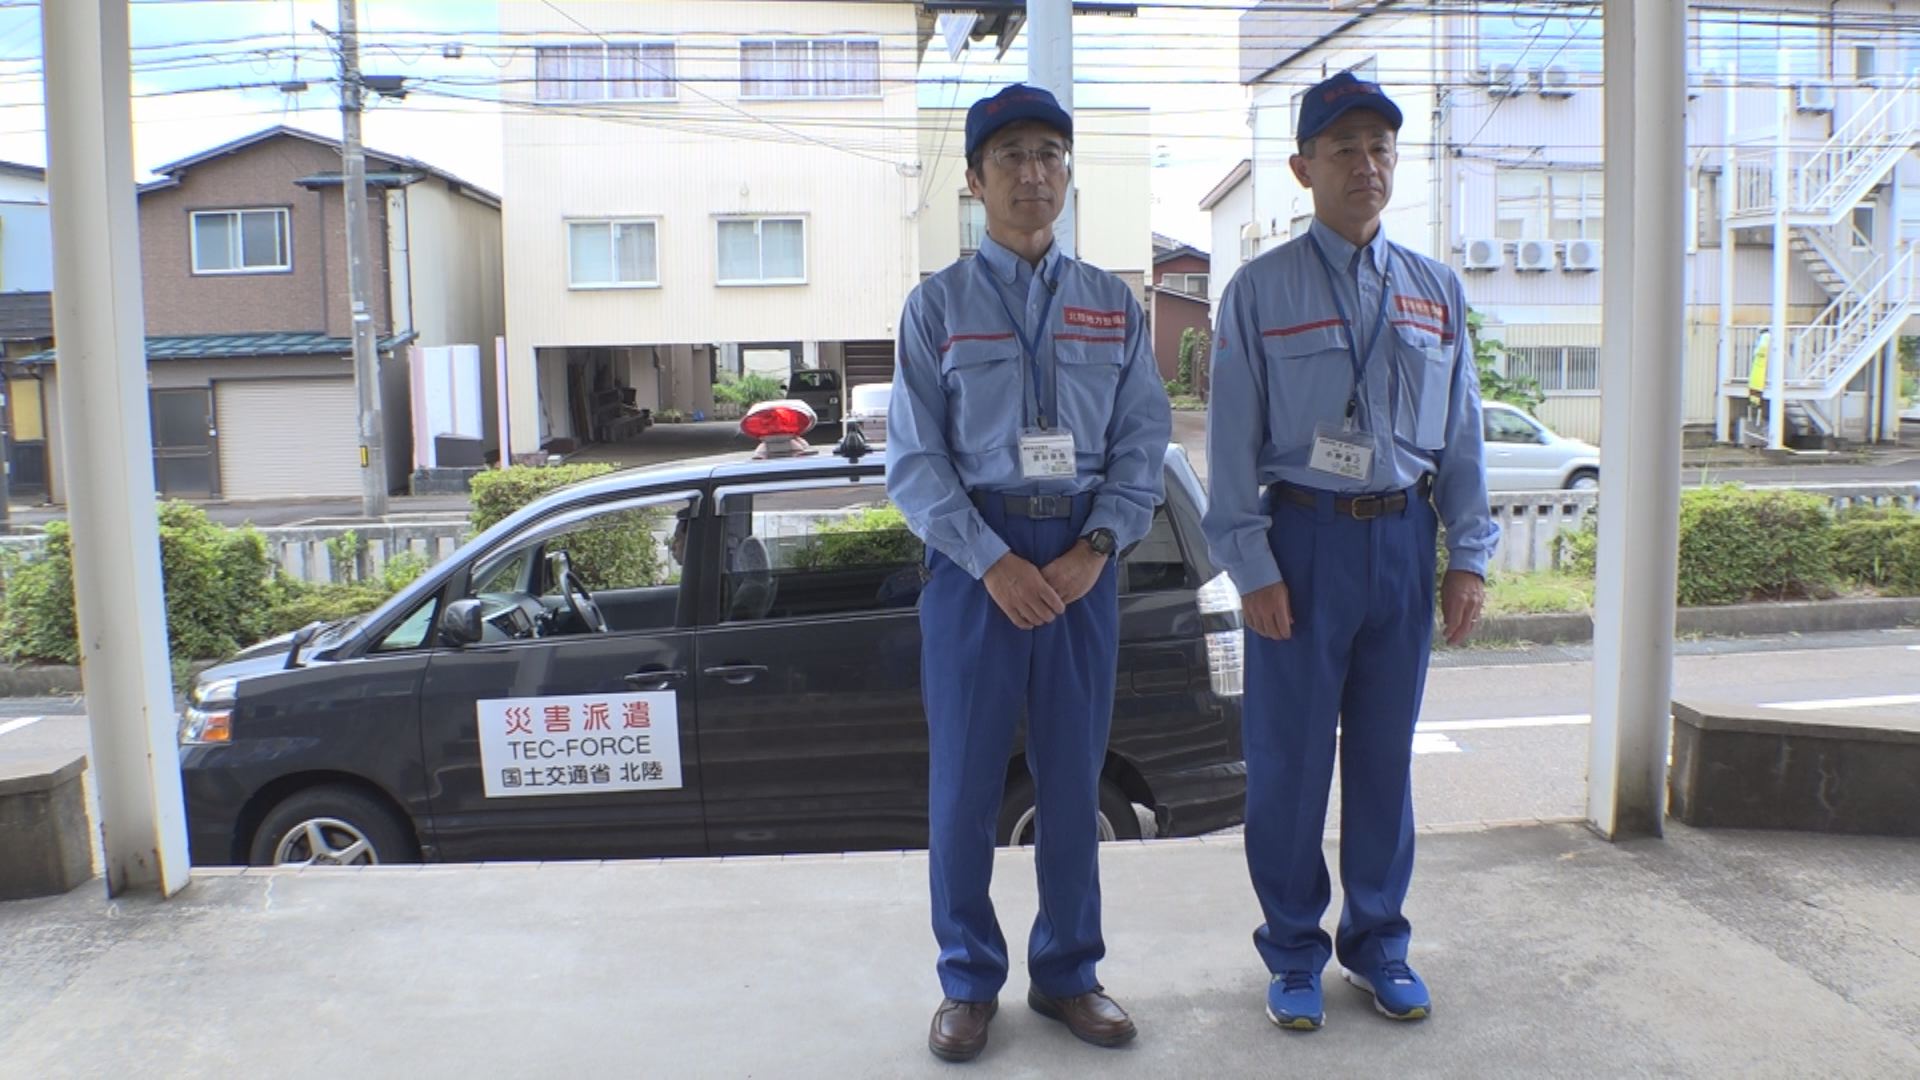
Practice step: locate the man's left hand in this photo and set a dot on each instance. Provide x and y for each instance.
(1461, 596)
(1073, 575)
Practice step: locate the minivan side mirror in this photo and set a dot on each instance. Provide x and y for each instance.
(461, 624)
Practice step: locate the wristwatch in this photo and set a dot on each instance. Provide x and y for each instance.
(1101, 541)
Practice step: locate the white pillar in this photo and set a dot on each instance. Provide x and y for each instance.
(1050, 67)
(1643, 315)
(108, 445)
(1780, 352)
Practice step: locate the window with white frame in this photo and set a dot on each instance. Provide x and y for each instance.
(973, 224)
(810, 68)
(612, 71)
(1537, 204)
(1192, 284)
(240, 242)
(763, 251)
(613, 254)
(1533, 36)
(1556, 368)
(1249, 242)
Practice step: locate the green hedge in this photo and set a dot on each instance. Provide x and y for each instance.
(618, 553)
(872, 537)
(36, 608)
(497, 493)
(221, 592)
(1879, 549)
(1739, 544)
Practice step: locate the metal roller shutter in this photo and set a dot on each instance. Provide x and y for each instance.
(288, 437)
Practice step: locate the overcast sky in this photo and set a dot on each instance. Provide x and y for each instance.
(208, 71)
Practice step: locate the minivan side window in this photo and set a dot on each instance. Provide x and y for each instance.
(817, 551)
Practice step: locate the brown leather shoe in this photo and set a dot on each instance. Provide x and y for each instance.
(1093, 1016)
(959, 1029)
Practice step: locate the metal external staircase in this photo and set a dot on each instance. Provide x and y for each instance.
(1873, 297)
(1824, 184)
(1853, 329)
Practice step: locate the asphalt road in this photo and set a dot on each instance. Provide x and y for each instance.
(1503, 734)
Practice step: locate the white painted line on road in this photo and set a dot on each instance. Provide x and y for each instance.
(1845, 703)
(1497, 723)
(15, 725)
(1429, 743)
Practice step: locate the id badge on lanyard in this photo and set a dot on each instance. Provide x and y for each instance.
(1046, 449)
(1345, 450)
(1047, 454)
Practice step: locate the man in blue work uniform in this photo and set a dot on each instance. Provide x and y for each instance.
(1344, 419)
(1025, 442)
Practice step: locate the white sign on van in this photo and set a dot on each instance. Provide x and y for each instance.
(589, 744)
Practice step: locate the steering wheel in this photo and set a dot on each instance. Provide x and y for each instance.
(577, 596)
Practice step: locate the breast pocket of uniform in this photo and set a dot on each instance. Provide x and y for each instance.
(1426, 387)
(1089, 385)
(984, 396)
(1309, 380)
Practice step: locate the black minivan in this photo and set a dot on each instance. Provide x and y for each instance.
(716, 657)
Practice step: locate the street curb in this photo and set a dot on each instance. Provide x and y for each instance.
(39, 680)
(1732, 620)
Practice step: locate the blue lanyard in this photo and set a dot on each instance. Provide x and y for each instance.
(1029, 346)
(1360, 355)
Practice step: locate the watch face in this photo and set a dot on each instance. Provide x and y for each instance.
(1101, 541)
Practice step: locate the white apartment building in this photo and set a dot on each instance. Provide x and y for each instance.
(1500, 176)
(695, 187)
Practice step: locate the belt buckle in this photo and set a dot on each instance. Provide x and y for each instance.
(1366, 507)
(1043, 506)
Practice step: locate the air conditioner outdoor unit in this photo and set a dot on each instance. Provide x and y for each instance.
(1554, 80)
(1583, 255)
(1504, 80)
(1813, 98)
(1533, 255)
(1484, 253)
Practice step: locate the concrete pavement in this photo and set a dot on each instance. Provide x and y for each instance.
(1551, 953)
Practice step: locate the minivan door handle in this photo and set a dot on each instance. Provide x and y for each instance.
(737, 674)
(654, 679)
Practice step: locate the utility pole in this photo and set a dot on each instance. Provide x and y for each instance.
(366, 376)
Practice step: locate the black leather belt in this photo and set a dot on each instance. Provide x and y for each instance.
(1359, 507)
(1040, 507)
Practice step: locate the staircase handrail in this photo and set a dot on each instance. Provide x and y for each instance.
(1814, 346)
(1854, 139)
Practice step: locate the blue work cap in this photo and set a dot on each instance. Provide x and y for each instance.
(1338, 96)
(1010, 106)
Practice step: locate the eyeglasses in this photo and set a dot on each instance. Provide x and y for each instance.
(1015, 158)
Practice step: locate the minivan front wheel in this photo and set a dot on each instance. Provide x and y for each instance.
(1116, 818)
(330, 826)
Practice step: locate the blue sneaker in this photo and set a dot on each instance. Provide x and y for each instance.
(1397, 992)
(1294, 1001)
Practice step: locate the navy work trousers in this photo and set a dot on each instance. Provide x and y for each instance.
(980, 674)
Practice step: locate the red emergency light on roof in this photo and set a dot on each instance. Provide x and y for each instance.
(778, 420)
